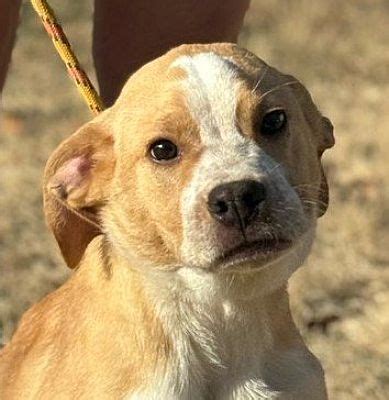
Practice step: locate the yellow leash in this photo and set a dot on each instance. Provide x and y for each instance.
(62, 45)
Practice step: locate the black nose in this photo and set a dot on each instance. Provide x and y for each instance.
(236, 203)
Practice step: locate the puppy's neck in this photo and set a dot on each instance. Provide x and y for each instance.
(192, 300)
(192, 328)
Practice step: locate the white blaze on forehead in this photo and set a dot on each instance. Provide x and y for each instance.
(211, 90)
(211, 87)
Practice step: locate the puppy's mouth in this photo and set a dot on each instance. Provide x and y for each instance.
(261, 251)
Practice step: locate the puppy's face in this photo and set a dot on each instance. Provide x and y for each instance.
(209, 159)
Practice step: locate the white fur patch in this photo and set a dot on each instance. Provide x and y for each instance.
(212, 88)
(222, 352)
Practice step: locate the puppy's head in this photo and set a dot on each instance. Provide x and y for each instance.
(209, 159)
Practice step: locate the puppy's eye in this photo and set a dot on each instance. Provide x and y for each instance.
(163, 150)
(273, 122)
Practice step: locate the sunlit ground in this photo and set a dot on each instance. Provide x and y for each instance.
(340, 51)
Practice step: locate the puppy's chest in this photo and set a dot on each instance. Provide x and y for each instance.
(214, 357)
(225, 348)
(195, 377)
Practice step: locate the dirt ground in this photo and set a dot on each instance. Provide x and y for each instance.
(340, 51)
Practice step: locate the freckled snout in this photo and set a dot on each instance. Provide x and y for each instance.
(237, 203)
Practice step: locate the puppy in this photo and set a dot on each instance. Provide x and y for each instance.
(185, 208)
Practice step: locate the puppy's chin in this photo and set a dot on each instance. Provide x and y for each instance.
(253, 254)
(249, 277)
(261, 254)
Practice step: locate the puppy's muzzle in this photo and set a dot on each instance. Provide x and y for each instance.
(237, 204)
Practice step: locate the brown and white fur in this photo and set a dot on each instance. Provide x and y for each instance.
(167, 302)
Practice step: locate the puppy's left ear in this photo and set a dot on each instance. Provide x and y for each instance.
(323, 131)
(326, 141)
(76, 185)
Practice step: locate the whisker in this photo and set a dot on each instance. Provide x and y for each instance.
(262, 76)
(309, 190)
(307, 186)
(278, 165)
(314, 201)
(277, 88)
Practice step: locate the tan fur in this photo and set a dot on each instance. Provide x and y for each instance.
(83, 339)
(123, 323)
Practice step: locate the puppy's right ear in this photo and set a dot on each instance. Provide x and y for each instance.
(326, 141)
(76, 185)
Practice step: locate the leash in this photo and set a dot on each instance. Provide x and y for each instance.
(63, 47)
(76, 72)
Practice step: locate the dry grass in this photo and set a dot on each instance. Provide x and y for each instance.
(339, 49)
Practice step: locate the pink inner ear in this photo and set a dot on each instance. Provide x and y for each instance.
(71, 175)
